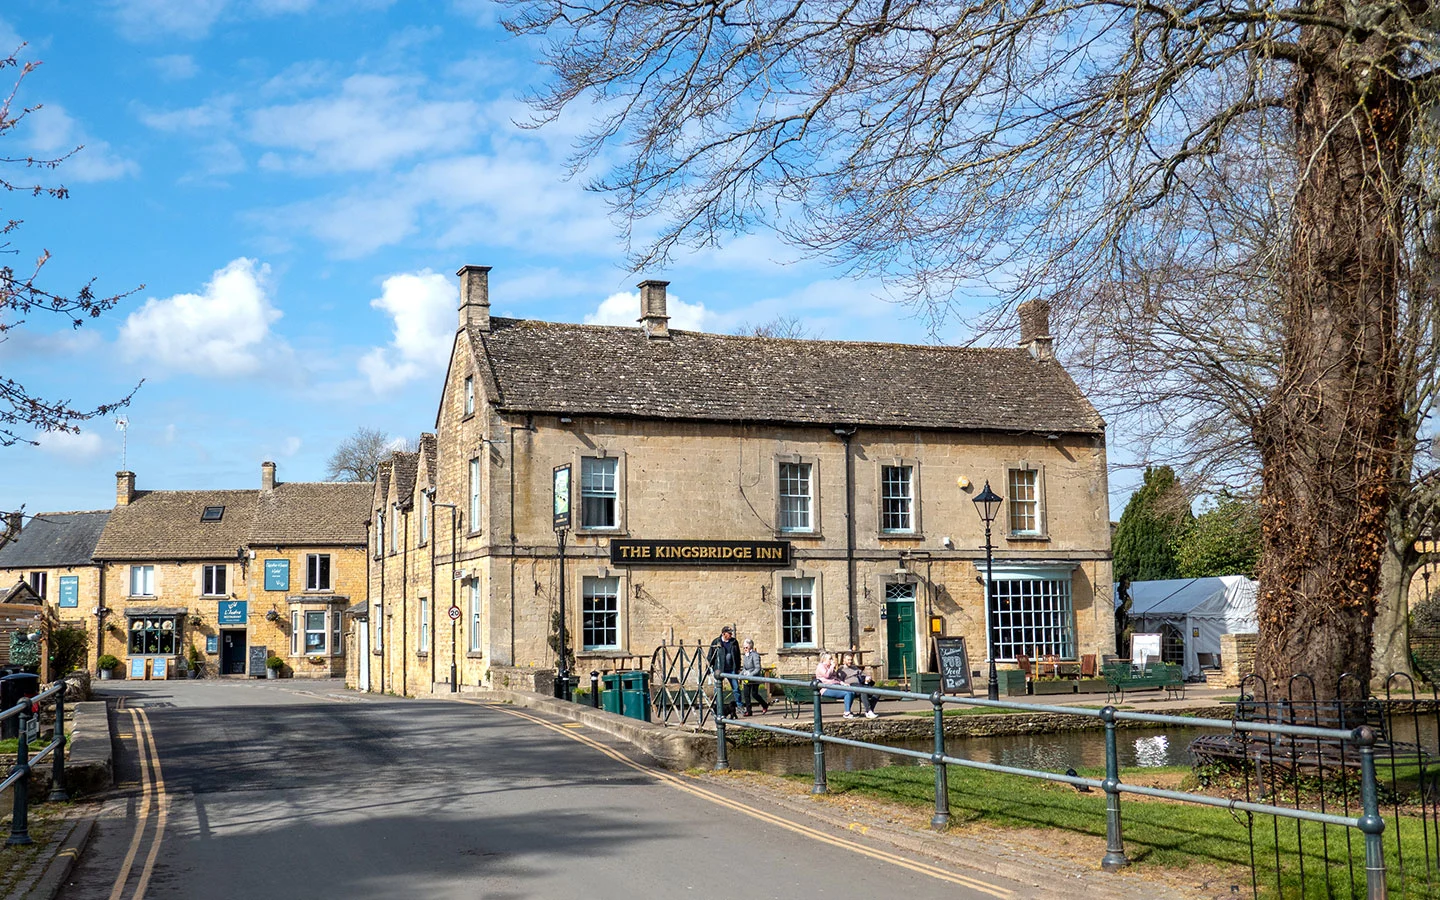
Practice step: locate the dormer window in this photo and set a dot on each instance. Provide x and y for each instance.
(212, 514)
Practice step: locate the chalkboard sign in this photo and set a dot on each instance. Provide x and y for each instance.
(954, 665)
(258, 655)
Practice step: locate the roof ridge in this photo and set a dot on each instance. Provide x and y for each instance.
(67, 512)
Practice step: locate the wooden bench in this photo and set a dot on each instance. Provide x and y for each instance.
(1122, 677)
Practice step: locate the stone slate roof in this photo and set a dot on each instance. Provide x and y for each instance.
(548, 367)
(403, 471)
(166, 524)
(54, 540)
(313, 512)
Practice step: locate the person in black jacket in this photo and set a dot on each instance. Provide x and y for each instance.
(725, 659)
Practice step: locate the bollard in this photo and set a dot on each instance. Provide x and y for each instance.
(57, 772)
(722, 759)
(20, 819)
(818, 729)
(1371, 824)
(595, 688)
(1114, 858)
(941, 820)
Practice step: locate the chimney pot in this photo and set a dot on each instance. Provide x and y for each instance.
(474, 297)
(653, 317)
(267, 476)
(124, 488)
(1035, 328)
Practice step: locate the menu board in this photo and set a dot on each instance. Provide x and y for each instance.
(954, 665)
(137, 668)
(258, 655)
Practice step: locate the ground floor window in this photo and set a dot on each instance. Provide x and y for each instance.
(424, 625)
(156, 635)
(797, 612)
(1032, 617)
(475, 616)
(600, 614)
(316, 631)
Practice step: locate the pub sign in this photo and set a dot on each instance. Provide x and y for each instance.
(775, 554)
(561, 485)
(277, 574)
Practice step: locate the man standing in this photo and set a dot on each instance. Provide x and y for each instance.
(725, 660)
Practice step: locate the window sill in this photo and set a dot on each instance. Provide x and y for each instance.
(901, 535)
(143, 597)
(1027, 537)
(600, 532)
(799, 536)
(474, 654)
(798, 651)
(474, 534)
(319, 590)
(605, 653)
(465, 417)
(422, 654)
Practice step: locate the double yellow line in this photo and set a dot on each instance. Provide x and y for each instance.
(152, 799)
(690, 787)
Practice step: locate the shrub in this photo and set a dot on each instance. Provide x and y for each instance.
(106, 661)
(68, 648)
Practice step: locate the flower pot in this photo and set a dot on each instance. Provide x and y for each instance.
(107, 674)
(272, 673)
(194, 672)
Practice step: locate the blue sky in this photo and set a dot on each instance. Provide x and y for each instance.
(295, 182)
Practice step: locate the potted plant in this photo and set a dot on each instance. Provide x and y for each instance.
(1052, 685)
(197, 662)
(273, 665)
(107, 663)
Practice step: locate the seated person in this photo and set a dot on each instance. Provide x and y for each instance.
(832, 686)
(850, 673)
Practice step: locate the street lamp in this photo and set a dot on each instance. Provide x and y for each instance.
(454, 620)
(987, 503)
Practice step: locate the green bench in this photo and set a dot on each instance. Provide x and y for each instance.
(799, 698)
(1122, 677)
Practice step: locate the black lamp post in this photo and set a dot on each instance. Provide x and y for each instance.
(987, 503)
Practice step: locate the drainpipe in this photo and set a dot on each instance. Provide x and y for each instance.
(852, 611)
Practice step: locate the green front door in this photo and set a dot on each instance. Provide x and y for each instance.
(900, 630)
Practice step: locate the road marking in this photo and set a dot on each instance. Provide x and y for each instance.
(572, 725)
(152, 787)
(163, 802)
(686, 785)
(124, 874)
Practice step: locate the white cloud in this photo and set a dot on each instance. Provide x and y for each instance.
(291, 446)
(182, 18)
(81, 447)
(50, 132)
(176, 66)
(214, 115)
(223, 331)
(422, 306)
(372, 123)
(624, 309)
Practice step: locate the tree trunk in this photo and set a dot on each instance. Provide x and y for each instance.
(1392, 607)
(1328, 434)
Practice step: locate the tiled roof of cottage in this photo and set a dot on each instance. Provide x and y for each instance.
(313, 512)
(50, 540)
(403, 471)
(167, 524)
(428, 453)
(551, 367)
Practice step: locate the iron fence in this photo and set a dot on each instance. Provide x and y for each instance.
(1283, 753)
(28, 711)
(680, 678)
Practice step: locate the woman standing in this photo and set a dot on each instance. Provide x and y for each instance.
(750, 665)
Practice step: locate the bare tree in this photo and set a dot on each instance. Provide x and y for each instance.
(358, 457)
(22, 411)
(788, 327)
(1042, 145)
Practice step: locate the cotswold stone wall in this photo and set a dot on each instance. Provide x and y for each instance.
(1237, 657)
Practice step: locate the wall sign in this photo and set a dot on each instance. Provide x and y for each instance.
(233, 612)
(560, 487)
(277, 575)
(69, 591)
(700, 553)
(212, 643)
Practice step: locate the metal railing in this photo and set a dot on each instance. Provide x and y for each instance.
(1363, 739)
(28, 711)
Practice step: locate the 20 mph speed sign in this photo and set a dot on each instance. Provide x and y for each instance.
(454, 613)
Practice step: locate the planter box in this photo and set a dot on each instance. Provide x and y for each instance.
(1092, 686)
(1012, 682)
(1052, 687)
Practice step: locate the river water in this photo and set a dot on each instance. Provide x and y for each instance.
(1053, 752)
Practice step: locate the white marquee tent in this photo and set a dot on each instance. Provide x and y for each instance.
(1199, 610)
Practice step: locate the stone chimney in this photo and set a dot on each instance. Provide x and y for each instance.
(267, 476)
(652, 310)
(1035, 328)
(475, 296)
(124, 488)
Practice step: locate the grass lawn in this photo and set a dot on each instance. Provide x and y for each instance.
(1173, 835)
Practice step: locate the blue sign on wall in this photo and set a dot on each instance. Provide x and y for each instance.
(277, 574)
(233, 612)
(69, 591)
(212, 643)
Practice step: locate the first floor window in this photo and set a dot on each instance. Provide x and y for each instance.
(1024, 501)
(600, 614)
(317, 572)
(795, 497)
(380, 534)
(315, 632)
(142, 581)
(337, 646)
(395, 534)
(475, 616)
(154, 635)
(599, 492)
(297, 631)
(212, 581)
(474, 494)
(37, 583)
(896, 499)
(797, 612)
(1032, 617)
(379, 616)
(424, 625)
